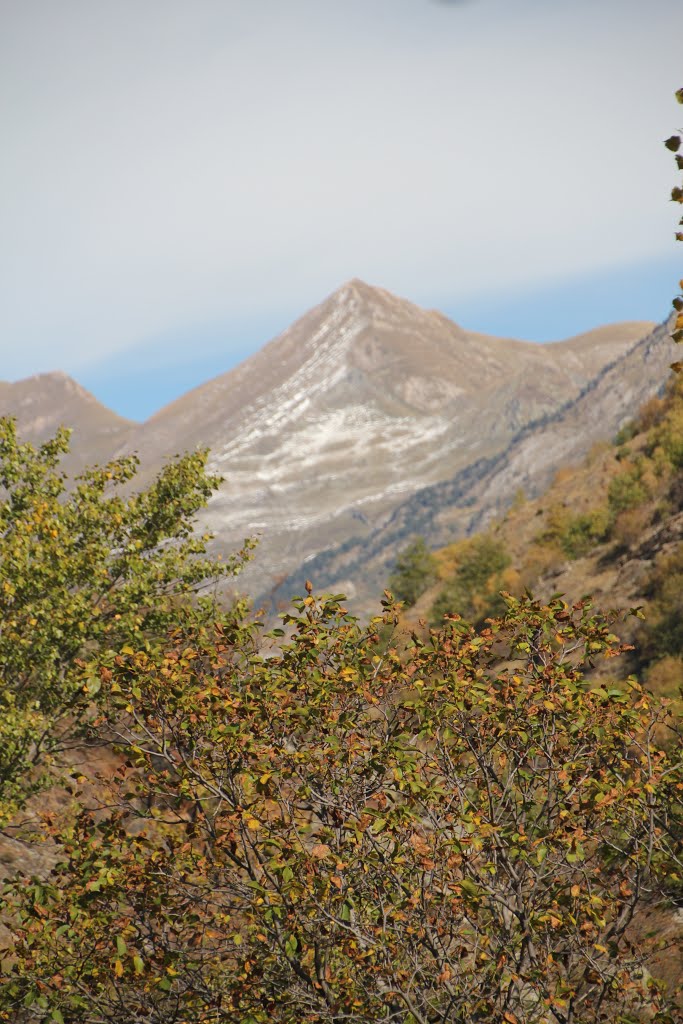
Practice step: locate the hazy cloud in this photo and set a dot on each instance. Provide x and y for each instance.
(170, 168)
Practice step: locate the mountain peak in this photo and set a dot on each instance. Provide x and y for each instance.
(356, 291)
(363, 401)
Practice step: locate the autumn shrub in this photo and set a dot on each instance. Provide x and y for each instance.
(665, 677)
(662, 630)
(415, 571)
(539, 559)
(333, 835)
(668, 436)
(626, 433)
(83, 571)
(582, 532)
(575, 534)
(473, 590)
(627, 489)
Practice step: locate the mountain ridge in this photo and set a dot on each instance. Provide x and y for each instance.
(359, 404)
(452, 508)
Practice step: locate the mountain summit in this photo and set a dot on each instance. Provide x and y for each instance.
(363, 402)
(46, 401)
(360, 403)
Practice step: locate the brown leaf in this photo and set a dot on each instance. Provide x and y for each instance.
(418, 844)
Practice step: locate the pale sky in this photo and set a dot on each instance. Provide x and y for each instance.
(179, 180)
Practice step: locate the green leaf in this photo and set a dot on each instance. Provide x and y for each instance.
(469, 888)
(93, 686)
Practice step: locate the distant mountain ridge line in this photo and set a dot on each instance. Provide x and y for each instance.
(331, 431)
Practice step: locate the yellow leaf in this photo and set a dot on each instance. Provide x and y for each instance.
(118, 968)
(253, 824)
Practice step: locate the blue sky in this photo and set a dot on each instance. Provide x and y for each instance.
(180, 181)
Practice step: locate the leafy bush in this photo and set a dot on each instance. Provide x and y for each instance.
(651, 413)
(474, 589)
(575, 535)
(583, 532)
(629, 526)
(414, 572)
(665, 677)
(662, 631)
(627, 490)
(83, 572)
(668, 436)
(330, 835)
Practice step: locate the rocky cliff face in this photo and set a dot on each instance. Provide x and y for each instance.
(338, 426)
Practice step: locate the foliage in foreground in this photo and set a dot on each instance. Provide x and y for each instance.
(673, 144)
(464, 833)
(83, 571)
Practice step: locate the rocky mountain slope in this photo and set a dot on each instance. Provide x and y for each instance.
(362, 402)
(468, 499)
(326, 433)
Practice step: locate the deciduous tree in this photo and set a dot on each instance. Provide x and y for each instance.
(83, 571)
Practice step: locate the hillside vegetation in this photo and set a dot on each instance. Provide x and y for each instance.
(611, 527)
